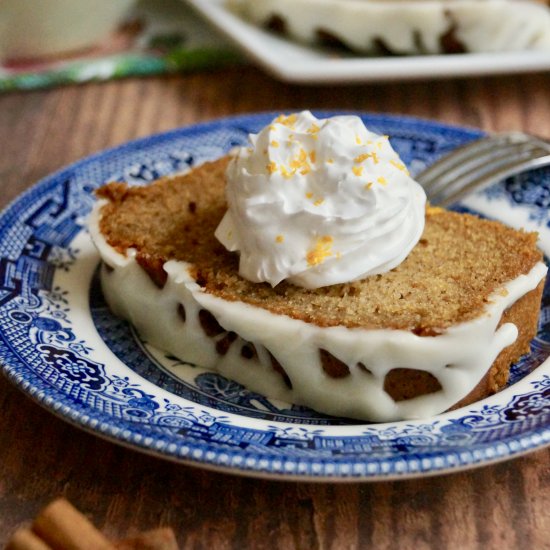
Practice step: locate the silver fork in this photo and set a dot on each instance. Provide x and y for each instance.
(479, 164)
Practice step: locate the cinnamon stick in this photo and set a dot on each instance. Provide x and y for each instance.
(156, 539)
(25, 539)
(63, 527)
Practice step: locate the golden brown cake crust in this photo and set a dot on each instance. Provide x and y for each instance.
(524, 314)
(459, 261)
(406, 383)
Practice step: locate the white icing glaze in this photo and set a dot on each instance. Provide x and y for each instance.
(469, 348)
(319, 202)
(411, 26)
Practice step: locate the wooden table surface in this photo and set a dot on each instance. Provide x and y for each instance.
(506, 505)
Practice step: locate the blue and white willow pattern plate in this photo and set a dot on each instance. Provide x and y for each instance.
(61, 345)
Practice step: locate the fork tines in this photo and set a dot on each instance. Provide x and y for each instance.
(478, 164)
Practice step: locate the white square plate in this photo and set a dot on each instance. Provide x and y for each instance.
(297, 63)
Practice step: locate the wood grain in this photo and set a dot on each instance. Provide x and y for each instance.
(41, 457)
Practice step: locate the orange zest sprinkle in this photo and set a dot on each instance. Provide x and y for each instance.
(318, 202)
(313, 129)
(357, 170)
(288, 121)
(365, 156)
(272, 167)
(286, 172)
(382, 180)
(312, 156)
(321, 251)
(274, 143)
(300, 163)
(368, 185)
(362, 158)
(279, 239)
(399, 166)
(309, 195)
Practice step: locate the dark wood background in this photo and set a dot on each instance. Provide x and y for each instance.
(503, 506)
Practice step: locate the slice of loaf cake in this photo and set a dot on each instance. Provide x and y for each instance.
(438, 331)
(402, 27)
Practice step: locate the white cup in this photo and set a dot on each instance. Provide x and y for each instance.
(38, 28)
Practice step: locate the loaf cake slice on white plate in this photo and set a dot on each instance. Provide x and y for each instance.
(405, 27)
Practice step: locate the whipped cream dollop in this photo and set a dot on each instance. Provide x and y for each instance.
(319, 202)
